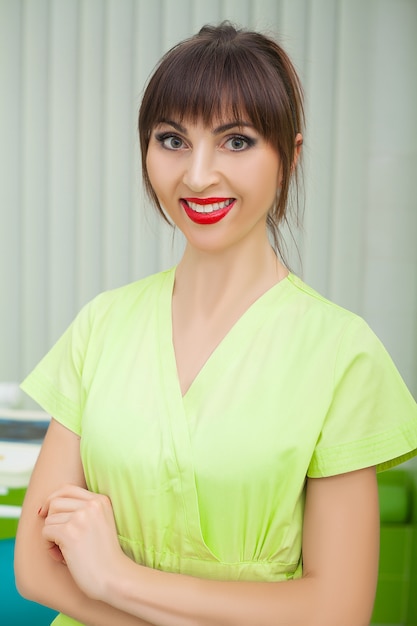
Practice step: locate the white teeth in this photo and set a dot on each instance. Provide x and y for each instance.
(209, 208)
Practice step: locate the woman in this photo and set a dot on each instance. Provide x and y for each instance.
(216, 426)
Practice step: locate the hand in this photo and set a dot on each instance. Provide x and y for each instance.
(80, 526)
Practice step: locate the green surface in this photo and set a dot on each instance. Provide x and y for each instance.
(391, 604)
(396, 597)
(14, 497)
(395, 501)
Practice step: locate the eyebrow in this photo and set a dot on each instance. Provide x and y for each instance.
(216, 131)
(236, 124)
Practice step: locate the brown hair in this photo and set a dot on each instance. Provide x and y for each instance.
(234, 70)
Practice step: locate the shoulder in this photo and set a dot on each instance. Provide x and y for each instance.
(370, 415)
(319, 317)
(133, 291)
(116, 310)
(329, 332)
(127, 298)
(310, 300)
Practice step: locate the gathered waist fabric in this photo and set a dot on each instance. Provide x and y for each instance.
(210, 567)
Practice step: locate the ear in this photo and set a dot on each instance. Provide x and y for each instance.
(297, 150)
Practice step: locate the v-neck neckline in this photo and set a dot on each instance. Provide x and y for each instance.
(249, 315)
(180, 409)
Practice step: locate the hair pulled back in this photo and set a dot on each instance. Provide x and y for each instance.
(223, 72)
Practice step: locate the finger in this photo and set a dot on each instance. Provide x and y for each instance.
(58, 518)
(56, 554)
(59, 503)
(65, 505)
(66, 491)
(56, 534)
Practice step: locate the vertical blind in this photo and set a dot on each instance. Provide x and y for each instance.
(74, 217)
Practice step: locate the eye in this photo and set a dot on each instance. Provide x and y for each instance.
(170, 141)
(238, 143)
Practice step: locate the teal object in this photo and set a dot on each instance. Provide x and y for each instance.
(15, 610)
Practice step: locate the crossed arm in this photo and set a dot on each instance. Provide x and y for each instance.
(99, 586)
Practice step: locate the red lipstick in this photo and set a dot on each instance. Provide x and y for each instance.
(204, 201)
(209, 217)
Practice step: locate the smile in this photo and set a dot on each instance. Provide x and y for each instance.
(207, 210)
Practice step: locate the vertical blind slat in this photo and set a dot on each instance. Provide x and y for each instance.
(351, 136)
(319, 89)
(10, 189)
(34, 121)
(62, 170)
(90, 146)
(390, 286)
(117, 148)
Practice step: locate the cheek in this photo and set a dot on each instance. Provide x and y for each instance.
(267, 178)
(266, 170)
(151, 170)
(162, 173)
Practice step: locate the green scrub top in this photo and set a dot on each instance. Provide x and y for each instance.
(212, 483)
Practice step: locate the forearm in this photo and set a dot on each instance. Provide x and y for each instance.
(175, 599)
(340, 550)
(50, 583)
(47, 581)
(134, 595)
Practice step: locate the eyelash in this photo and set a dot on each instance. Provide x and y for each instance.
(249, 141)
(164, 136)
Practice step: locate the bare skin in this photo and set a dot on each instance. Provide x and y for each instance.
(206, 296)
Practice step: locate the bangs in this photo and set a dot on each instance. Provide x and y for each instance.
(217, 83)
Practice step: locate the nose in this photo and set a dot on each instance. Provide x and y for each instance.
(200, 172)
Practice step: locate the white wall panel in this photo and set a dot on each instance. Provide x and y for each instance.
(74, 219)
(389, 295)
(118, 132)
(61, 162)
(89, 261)
(236, 11)
(206, 12)
(320, 94)
(33, 174)
(265, 15)
(351, 136)
(10, 188)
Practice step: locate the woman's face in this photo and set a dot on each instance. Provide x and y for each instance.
(216, 183)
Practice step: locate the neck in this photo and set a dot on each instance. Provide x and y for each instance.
(208, 279)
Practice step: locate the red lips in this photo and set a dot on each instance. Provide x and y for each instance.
(204, 201)
(206, 218)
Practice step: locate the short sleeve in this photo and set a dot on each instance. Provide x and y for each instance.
(56, 382)
(372, 417)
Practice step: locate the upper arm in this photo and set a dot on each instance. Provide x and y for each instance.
(59, 462)
(341, 544)
(38, 576)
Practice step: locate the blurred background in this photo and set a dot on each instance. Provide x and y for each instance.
(74, 219)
